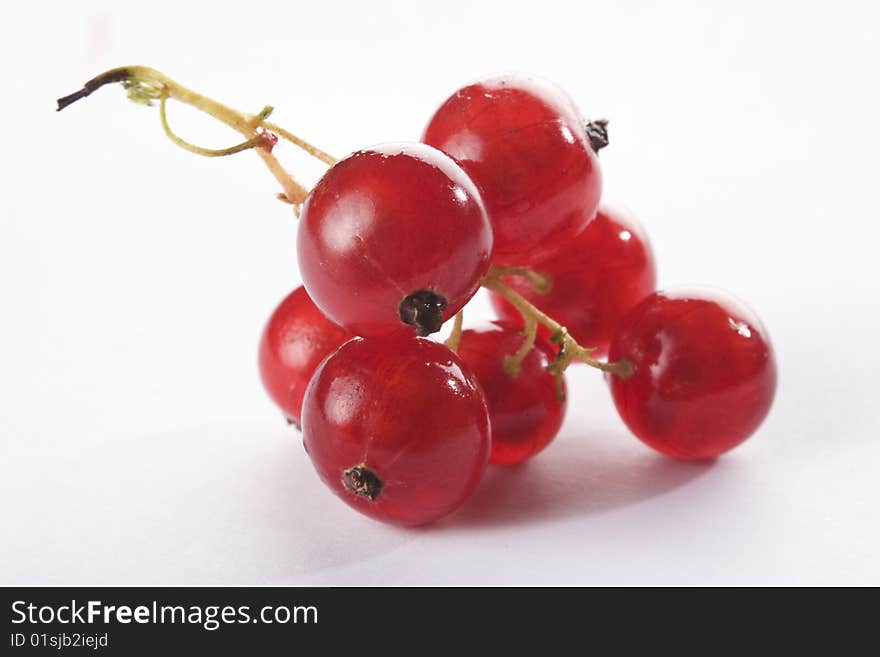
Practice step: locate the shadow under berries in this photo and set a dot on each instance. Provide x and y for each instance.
(578, 476)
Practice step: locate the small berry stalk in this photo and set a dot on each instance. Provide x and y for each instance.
(569, 349)
(146, 85)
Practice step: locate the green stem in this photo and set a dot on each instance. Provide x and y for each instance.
(569, 348)
(513, 362)
(146, 84)
(454, 338)
(253, 142)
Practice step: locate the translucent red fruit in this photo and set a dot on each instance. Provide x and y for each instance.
(597, 278)
(397, 427)
(296, 339)
(705, 373)
(393, 235)
(524, 143)
(526, 411)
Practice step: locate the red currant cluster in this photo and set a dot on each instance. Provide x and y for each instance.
(400, 236)
(503, 192)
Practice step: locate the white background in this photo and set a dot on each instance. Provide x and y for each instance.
(137, 443)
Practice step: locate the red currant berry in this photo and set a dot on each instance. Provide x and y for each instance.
(524, 143)
(397, 427)
(526, 411)
(705, 373)
(597, 278)
(296, 339)
(393, 235)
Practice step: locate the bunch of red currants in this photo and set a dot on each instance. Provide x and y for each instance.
(503, 192)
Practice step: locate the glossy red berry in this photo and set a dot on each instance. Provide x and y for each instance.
(524, 142)
(392, 236)
(527, 410)
(705, 373)
(597, 278)
(397, 427)
(296, 339)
